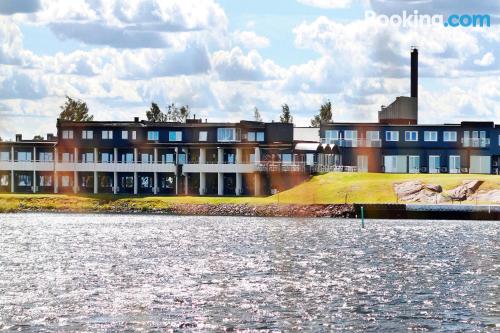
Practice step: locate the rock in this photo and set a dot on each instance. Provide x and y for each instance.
(406, 189)
(472, 185)
(463, 191)
(434, 188)
(492, 196)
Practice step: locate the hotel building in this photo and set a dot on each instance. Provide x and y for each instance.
(245, 158)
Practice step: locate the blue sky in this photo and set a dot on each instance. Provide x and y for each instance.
(223, 58)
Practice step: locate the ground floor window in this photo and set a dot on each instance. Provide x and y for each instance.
(167, 182)
(395, 163)
(4, 180)
(414, 164)
(106, 182)
(146, 182)
(434, 164)
(66, 181)
(23, 180)
(480, 164)
(454, 164)
(127, 182)
(45, 181)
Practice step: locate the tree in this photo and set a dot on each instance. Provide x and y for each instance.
(324, 116)
(75, 110)
(286, 116)
(38, 138)
(154, 114)
(256, 114)
(183, 113)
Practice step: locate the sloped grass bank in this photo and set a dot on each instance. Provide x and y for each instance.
(325, 189)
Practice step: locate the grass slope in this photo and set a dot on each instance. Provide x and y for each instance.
(321, 189)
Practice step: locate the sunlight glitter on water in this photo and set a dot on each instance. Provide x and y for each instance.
(140, 272)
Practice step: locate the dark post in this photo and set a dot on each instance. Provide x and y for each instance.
(414, 72)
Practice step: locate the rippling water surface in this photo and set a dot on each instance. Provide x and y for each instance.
(158, 273)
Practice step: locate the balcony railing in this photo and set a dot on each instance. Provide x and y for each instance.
(281, 166)
(352, 143)
(476, 142)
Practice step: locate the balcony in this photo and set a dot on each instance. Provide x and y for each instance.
(353, 143)
(118, 167)
(27, 165)
(476, 142)
(281, 167)
(216, 168)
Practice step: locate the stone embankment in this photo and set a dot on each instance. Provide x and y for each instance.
(419, 192)
(272, 210)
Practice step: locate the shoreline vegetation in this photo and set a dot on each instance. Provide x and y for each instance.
(325, 195)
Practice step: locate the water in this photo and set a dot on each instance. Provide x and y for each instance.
(159, 273)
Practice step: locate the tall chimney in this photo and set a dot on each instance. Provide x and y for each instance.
(414, 72)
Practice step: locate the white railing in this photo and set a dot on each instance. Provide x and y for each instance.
(353, 143)
(280, 166)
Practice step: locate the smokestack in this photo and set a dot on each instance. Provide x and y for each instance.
(414, 72)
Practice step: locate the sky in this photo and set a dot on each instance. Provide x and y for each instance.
(223, 58)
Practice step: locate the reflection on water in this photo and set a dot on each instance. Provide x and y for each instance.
(155, 273)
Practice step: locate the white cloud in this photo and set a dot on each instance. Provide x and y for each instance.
(250, 39)
(17, 84)
(131, 24)
(327, 4)
(234, 65)
(487, 60)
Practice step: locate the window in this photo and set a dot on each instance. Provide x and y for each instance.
(146, 158)
(499, 139)
(127, 182)
(46, 156)
(106, 158)
(4, 180)
(67, 157)
(430, 136)
(23, 180)
(134, 135)
(203, 136)
(45, 180)
(175, 136)
(4, 156)
(65, 181)
(286, 158)
(392, 136)
(331, 135)
(454, 164)
(450, 136)
(153, 135)
(167, 158)
(107, 135)
(128, 158)
(87, 135)
(434, 164)
(411, 136)
(182, 159)
(124, 135)
(350, 135)
(228, 134)
(373, 135)
(24, 156)
(106, 181)
(67, 134)
(255, 136)
(88, 158)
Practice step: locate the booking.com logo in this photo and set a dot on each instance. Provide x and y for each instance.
(415, 19)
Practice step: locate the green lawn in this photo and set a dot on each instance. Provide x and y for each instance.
(321, 189)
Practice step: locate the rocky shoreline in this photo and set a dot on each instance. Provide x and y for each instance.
(265, 210)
